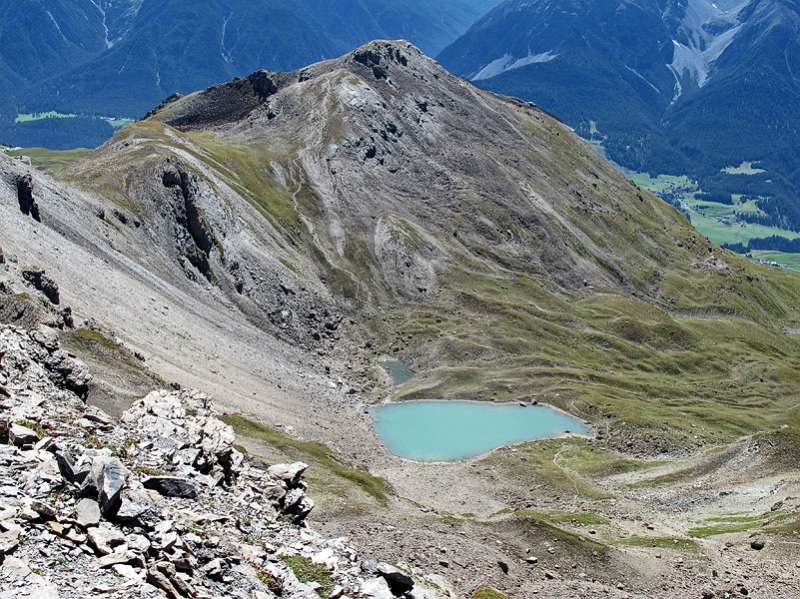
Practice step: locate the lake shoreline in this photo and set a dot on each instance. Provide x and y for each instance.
(373, 409)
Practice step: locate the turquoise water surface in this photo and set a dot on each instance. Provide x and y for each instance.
(457, 430)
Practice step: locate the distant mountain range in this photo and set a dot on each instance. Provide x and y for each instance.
(667, 86)
(95, 58)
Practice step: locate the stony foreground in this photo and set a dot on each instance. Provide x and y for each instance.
(161, 504)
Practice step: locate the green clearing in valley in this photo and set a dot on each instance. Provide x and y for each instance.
(785, 259)
(115, 122)
(119, 123)
(662, 183)
(717, 221)
(720, 231)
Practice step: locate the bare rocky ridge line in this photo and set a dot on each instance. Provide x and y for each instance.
(160, 504)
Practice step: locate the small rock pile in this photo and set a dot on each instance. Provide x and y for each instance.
(159, 505)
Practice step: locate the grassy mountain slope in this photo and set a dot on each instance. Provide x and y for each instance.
(524, 268)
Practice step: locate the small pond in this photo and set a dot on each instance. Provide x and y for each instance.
(398, 371)
(458, 430)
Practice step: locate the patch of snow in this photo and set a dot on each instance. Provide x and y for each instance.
(102, 11)
(678, 86)
(132, 11)
(643, 78)
(226, 53)
(507, 62)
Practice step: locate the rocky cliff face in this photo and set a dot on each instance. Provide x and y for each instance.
(160, 504)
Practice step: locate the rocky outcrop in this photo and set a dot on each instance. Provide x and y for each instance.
(41, 282)
(194, 236)
(158, 505)
(164, 103)
(19, 306)
(27, 204)
(380, 56)
(58, 366)
(263, 83)
(226, 103)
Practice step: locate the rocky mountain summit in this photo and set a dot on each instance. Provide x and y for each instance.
(160, 504)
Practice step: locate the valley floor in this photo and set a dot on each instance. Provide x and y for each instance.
(721, 223)
(569, 518)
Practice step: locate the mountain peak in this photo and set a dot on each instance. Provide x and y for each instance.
(389, 61)
(380, 55)
(396, 135)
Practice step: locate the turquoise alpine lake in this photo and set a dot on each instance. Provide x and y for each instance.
(459, 430)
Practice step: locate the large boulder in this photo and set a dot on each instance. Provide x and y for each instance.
(22, 436)
(136, 509)
(297, 505)
(217, 437)
(68, 372)
(171, 486)
(27, 203)
(108, 476)
(399, 582)
(104, 540)
(288, 473)
(66, 465)
(376, 588)
(87, 512)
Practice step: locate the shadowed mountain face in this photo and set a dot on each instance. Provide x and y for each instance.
(121, 57)
(270, 238)
(668, 86)
(41, 39)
